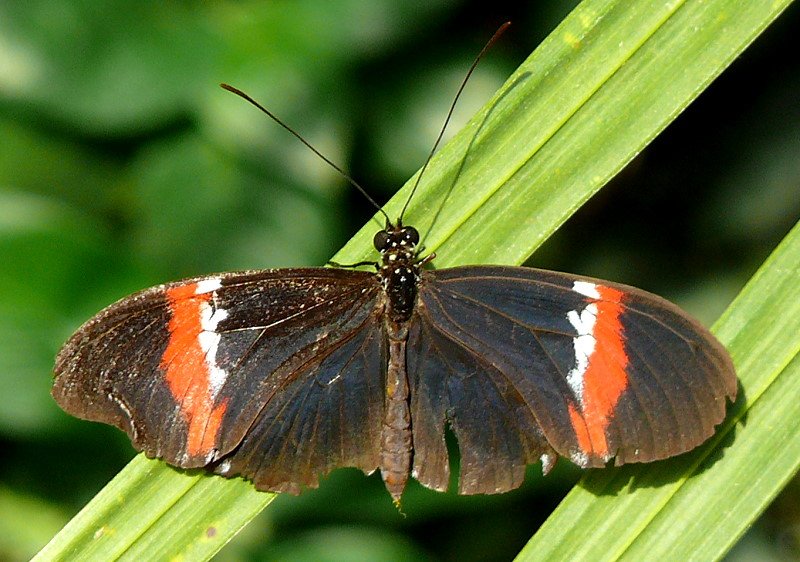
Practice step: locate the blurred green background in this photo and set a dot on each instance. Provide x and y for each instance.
(123, 165)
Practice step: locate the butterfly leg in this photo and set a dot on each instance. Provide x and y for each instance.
(353, 265)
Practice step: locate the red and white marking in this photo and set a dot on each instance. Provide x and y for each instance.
(190, 366)
(598, 376)
(209, 338)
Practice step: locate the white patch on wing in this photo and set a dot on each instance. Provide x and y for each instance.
(548, 462)
(584, 342)
(209, 343)
(586, 289)
(208, 285)
(580, 458)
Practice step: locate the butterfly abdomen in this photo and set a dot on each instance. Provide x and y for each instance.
(396, 439)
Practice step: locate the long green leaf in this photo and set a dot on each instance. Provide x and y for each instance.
(599, 88)
(152, 508)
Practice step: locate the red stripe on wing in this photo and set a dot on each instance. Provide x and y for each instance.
(187, 372)
(605, 379)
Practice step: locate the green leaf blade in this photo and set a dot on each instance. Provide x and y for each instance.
(151, 510)
(215, 514)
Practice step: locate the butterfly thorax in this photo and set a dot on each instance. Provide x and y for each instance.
(399, 272)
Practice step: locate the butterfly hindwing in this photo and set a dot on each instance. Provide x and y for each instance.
(527, 363)
(326, 413)
(453, 381)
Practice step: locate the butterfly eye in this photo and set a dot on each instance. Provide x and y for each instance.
(411, 234)
(381, 240)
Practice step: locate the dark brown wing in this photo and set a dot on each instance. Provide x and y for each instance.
(275, 374)
(524, 363)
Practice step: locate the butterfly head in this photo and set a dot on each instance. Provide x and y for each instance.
(397, 243)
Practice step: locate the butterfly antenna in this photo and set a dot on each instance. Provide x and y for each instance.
(486, 47)
(297, 135)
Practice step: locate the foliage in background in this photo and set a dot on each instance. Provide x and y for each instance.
(122, 165)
